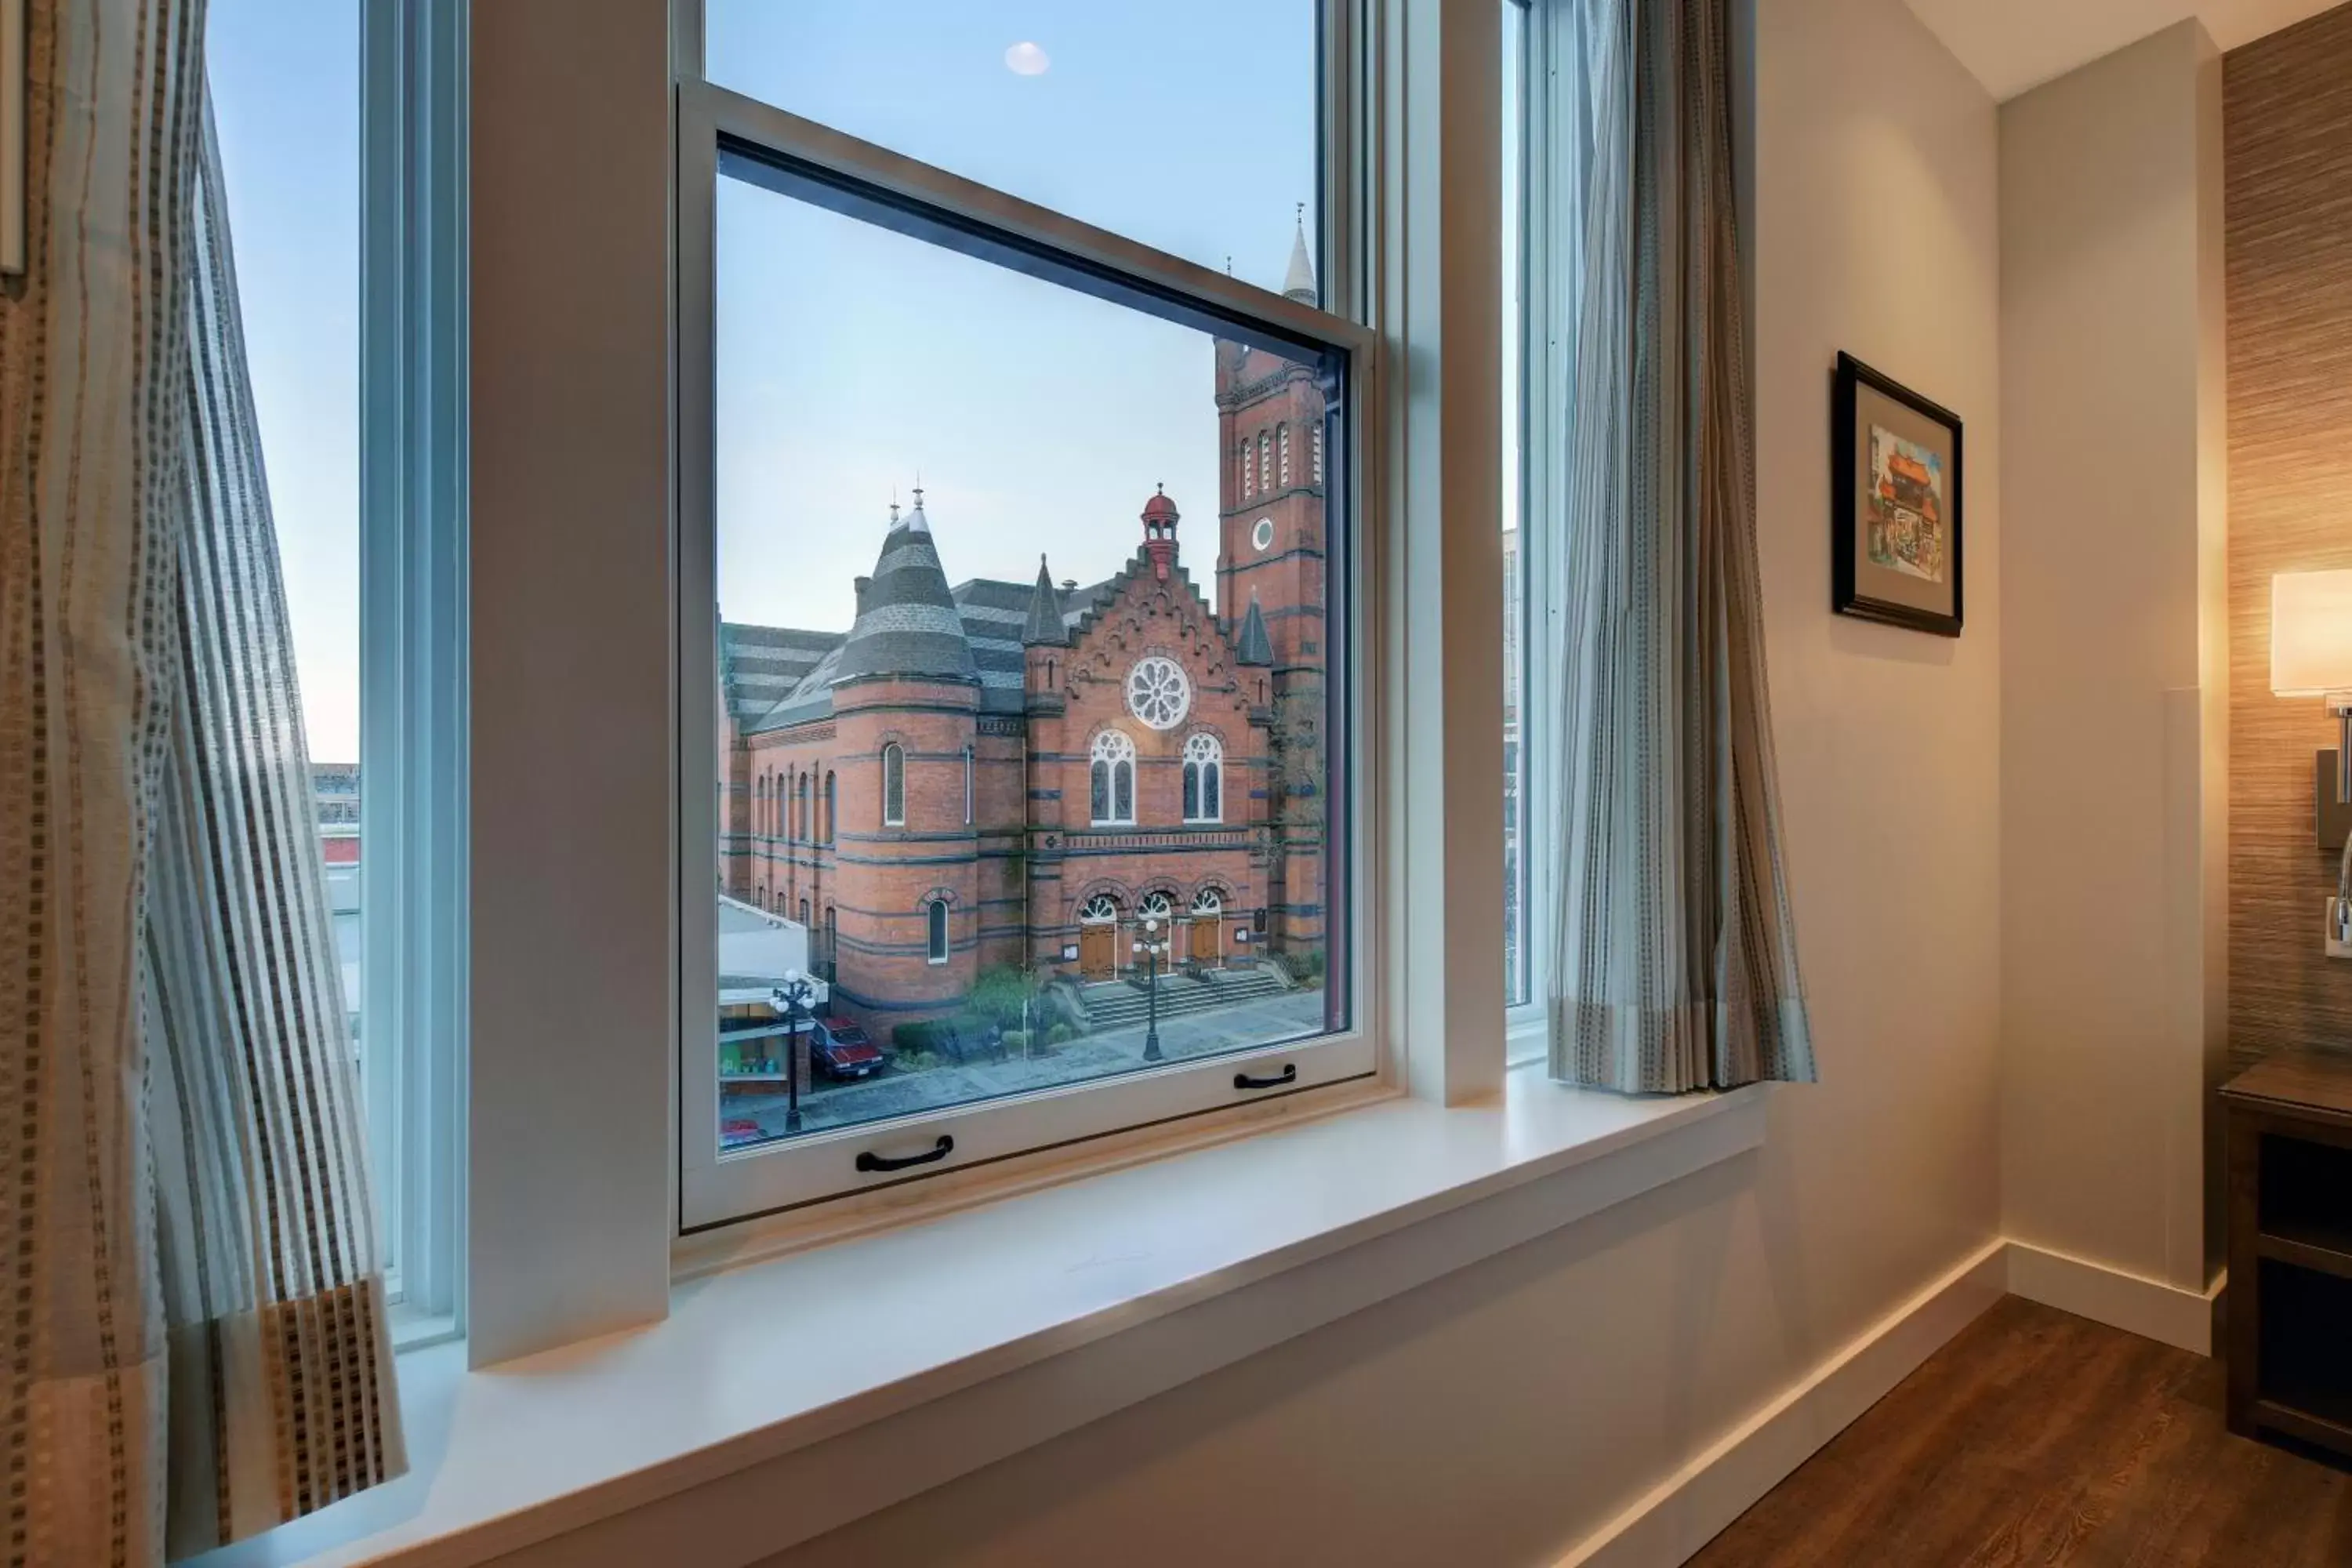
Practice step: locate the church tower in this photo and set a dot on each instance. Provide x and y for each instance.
(1271, 416)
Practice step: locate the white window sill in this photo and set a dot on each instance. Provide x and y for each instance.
(760, 1386)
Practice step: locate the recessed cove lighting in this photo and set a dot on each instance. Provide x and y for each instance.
(1025, 59)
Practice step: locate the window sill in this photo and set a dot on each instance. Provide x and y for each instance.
(765, 1365)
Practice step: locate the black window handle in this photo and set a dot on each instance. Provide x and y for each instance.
(1289, 1074)
(870, 1161)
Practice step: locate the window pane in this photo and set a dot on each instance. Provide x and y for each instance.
(1518, 962)
(910, 545)
(286, 93)
(1191, 128)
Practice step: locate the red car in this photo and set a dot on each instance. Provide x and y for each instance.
(840, 1049)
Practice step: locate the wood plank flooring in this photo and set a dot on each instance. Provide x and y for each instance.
(2040, 1437)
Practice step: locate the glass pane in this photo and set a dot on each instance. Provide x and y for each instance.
(1191, 128)
(1517, 967)
(286, 91)
(966, 512)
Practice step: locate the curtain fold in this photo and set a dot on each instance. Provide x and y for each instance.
(196, 1300)
(1675, 961)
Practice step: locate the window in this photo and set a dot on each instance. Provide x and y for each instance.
(1205, 785)
(1111, 779)
(354, 342)
(1285, 434)
(830, 800)
(1316, 437)
(805, 913)
(1246, 470)
(806, 260)
(893, 785)
(801, 808)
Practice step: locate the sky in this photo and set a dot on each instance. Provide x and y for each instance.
(851, 361)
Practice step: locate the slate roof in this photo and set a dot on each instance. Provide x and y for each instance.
(906, 620)
(762, 665)
(1253, 646)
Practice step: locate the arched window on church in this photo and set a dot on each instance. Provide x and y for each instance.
(760, 805)
(967, 786)
(1204, 779)
(807, 828)
(804, 915)
(1243, 485)
(832, 804)
(893, 785)
(936, 913)
(832, 942)
(1265, 461)
(1316, 443)
(1111, 780)
(1286, 457)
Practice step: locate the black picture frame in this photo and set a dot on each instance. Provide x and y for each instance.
(1846, 598)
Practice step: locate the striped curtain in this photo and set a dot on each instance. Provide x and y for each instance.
(194, 1303)
(1675, 961)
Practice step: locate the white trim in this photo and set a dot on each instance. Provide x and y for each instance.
(1692, 1506)
(1062, 1317)
(2148, 1307)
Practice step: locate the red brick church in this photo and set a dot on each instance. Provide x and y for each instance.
(995, 773)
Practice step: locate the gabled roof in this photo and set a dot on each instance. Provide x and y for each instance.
(762, 665)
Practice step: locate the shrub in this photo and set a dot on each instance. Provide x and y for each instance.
(1016, 1039)
(998, 994)
(1060, 1034)
(924, 1036)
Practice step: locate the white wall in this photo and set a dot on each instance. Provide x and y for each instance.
(1502, 1414)
(2114, 695)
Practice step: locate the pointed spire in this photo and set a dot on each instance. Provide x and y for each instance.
(915, 519)
(1045, 629)
(1298, 283)
(908, 623)
(1253, 646)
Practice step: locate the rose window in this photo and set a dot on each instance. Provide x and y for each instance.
(1158, 693)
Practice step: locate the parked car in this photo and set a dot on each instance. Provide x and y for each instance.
(840, 1049)
(737, 1130)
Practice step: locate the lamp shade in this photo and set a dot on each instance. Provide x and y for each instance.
(2311, 632)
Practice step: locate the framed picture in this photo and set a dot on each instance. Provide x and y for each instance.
(1895, 503)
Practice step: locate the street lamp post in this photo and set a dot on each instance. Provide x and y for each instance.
(792, 996)
(1152, 946)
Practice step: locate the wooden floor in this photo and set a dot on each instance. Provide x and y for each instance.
(2039, 1437)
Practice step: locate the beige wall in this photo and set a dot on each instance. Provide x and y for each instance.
(1500, 1414)
(2114, 698)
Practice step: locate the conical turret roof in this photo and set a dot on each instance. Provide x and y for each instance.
(1253, 646)
(906, 620)
(1045, 627)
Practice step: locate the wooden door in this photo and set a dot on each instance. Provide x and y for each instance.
(1097, 951)
(1206, 930)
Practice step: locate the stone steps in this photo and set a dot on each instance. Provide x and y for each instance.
(1119, 1004)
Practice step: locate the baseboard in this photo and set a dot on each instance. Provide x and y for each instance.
(1692, 1506)
(2148, 1307)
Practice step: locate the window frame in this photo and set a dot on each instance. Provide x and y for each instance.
(415, 673)
(716, 1187)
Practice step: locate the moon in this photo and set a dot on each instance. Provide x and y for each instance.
(1025, 59)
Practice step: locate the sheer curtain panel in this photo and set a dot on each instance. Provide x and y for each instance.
(1675, 961)
(195, 1309)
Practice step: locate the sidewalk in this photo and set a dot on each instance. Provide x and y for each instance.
(825, 1105)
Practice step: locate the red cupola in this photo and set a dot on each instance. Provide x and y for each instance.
(1159, 531)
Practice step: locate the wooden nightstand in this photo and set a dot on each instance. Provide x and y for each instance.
(2290, 1307)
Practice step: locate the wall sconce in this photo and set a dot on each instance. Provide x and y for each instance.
(2311, 651)
(2311, 655)
(11, 136)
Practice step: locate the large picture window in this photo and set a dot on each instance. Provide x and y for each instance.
(1080, 645)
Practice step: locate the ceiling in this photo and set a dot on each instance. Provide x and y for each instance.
(2012, 44)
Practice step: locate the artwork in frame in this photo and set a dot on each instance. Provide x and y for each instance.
(1895, 503)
